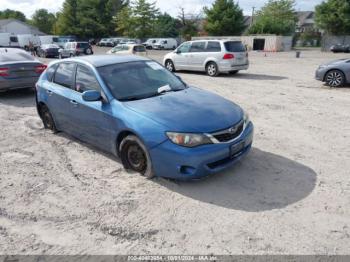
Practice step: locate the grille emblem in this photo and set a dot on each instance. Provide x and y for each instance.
(232, 130)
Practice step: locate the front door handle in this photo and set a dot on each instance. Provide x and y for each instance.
(75, 103)
(49, 92)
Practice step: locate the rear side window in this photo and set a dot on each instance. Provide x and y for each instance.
(234, 46)
(64, 74)
(14, 39)
(50, 72)
(197, 47)
(85, 80)
(213, 46)
(139, 48)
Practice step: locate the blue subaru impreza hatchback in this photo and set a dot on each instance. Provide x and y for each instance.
(146, 115)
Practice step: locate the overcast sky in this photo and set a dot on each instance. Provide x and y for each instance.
(170, 6)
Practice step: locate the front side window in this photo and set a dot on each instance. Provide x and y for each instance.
(64, 74)
(197, 47)
(14, 39)
(185, 47)
(50, 72)
(138, 80)
(85, 80)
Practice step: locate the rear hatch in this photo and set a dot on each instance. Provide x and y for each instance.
(238, 52)
(19, 64)
(139, 50)
(81, 47)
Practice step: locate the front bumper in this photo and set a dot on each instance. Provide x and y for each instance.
(173, 161)
(320, 73)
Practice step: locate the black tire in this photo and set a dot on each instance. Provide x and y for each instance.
(234, 72)
(47, 118)
(170, 65)
(88, 51)
(335, 78)
(134, 156)
(212, 69)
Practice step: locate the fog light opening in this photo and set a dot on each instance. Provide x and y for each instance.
(187, 170)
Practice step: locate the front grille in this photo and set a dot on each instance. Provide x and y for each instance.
(229, 134)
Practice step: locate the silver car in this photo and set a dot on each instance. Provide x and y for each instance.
(335, 73)
(210, 56)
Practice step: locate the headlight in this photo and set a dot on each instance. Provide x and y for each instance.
(246, 118)
(188, 139)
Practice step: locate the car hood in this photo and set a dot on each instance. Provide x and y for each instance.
(190, 110)
(335, 62)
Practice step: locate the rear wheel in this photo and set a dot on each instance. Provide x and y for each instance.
(47, 118)
(170, 65)
(88, 51)
(134, 156)
(335, 78)
(212, 69)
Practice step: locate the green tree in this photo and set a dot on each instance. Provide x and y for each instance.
(276, 17)
(145, 14)
(333, 16)
(43, 20)
(165, 26)
(125, 22)
(8, 14)
(67, 23)
(89, 18)
(224, 17)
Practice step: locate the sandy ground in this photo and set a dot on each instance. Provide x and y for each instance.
(291, 195)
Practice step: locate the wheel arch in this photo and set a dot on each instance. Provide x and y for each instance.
(123, 134)
(335, 69)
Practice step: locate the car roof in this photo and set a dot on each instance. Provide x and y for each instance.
(103, 60)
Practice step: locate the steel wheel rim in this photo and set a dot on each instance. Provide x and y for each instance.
(211, 69)
(334, 79)
(136, 158)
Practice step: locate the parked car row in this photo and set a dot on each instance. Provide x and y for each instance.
(161, 43)
(114, 41)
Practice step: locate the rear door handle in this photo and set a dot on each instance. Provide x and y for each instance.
(75, 103)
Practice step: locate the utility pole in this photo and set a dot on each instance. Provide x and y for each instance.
(252, 20)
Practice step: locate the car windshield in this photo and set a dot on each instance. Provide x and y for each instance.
(234, 46)
(139, 80)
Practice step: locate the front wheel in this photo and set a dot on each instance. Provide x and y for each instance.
(212, 69)
(170, 65)
(335, 78)
(134, 156)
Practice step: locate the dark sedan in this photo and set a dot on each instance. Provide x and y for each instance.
(338, 48)
(50, 50)
(18, 69)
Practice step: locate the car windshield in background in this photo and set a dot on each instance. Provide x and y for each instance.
(139, 80)
(12, 55)
(233, 46)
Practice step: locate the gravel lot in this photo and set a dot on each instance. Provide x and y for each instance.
(291, 195)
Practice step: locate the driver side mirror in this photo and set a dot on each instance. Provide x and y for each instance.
(91, 96)
(178, 51)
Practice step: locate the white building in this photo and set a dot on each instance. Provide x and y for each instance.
(16, 27)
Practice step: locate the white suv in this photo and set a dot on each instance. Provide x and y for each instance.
(211, 56)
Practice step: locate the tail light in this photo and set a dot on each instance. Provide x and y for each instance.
(228, 56)
(40, 68)
(4, 71)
